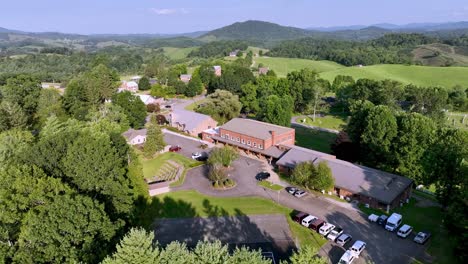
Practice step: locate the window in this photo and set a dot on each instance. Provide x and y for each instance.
(232, 138)
(226, 136)
(238, 139)
(248, 142)
(209, 127)
(255, 144)
(243, 141)
(260, 146)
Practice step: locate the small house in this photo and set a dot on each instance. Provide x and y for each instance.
(186, 78)
(135, 137)
(217, 70)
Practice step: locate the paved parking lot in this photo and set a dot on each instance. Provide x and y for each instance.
(270, 233)
(382, 246)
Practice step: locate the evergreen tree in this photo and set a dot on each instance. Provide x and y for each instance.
(144, 84)
(154, 138)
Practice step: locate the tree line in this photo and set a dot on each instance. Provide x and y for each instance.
(389, 49)
(218, 48)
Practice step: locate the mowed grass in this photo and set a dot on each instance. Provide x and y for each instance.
(336, 122)
(282, 66)
(183, 204)
(425, 219)
(314, 139)
(417, 75)
(269, 185)
(177, 53)
(456, 120)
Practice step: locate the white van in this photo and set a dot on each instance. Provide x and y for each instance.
(326, 228)
(308, 220)
(393, 222)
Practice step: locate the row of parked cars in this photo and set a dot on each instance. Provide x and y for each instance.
(394, 222)
(332, 233)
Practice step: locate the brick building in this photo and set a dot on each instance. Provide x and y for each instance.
(261, 138)
(190, 122)
(376, 188)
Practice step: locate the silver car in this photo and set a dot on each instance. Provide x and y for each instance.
(343, 239)
(299, 193)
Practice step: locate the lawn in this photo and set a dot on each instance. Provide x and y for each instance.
(194, 105)
(314, 139)
(269, 185)
(330, 121)
(425, 218)
(151, 166)
(455, 119)
(177, 53)
(418, 75)
(193, 204)
(282, 66)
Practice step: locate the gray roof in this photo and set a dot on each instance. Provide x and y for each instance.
(380, 185)
(132, 133)
(272, 151)
(188, 118)
(254, 128)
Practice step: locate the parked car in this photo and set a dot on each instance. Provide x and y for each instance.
(202, 158)
(357, 247)
(326, 228)
(347, 258)
(335, 233)
(343, 239)
(393, 222)
(373, 218)
(382, 220)
(422, 237)
(404, 231)
(175, 148)
(299, 216)
(196, 155)
(300, 193)
(262, 176)
(316, 224)
(291, 190)
(308, 220)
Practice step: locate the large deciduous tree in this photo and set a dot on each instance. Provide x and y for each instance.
(133, 107)
(276, 110)
(154, 138)
(221, 105)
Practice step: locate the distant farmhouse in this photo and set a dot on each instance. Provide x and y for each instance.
(217, 70)
(128, 86)
(46, 85)
(135, 137)
(375, 188)
(186, 77)
(190, 122)
(234, 53)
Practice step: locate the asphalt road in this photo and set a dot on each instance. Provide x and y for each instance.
(382, 246)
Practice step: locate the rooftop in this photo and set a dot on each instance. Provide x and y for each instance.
(188, 118)
(380, 185)
(254, 128)
(272, 151)
(132, 133)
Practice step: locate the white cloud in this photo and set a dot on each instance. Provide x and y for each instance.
(168, 11)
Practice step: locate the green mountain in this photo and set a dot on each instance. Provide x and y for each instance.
(253, 30)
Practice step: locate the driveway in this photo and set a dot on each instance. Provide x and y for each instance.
(382, 246)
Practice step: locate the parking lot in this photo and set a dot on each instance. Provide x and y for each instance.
(270, 233)
(382, 246)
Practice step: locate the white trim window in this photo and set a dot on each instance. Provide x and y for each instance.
(260, 146)
(243, 141)
(238, 139)
(255, 144)
(248, 142)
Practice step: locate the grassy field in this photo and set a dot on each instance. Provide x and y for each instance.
(193, 204)
(151, 166)
(177, 53)
(314, 139)
(330, 121)
(455, 119)
(426, 218)
(418, 75)
(283, 66)
(269, 185)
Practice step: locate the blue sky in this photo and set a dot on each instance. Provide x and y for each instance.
(177, 16)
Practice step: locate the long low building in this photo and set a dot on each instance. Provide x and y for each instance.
(253, 136)
(376, 188)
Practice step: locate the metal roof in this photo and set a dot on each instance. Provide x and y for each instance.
(380, 185)
(254, 128)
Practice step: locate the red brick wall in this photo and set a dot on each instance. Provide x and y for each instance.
(265, 144)
(202, 126)
(286, 138)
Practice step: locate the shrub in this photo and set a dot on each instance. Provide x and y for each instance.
(224, 156)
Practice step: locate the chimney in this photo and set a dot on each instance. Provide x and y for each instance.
(273, 137)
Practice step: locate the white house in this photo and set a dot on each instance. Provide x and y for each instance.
(129, 86)
(135, 137)
(148, 99)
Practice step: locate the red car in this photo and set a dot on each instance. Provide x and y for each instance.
(175, 148)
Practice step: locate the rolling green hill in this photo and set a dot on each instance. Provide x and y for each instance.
(438, 54)
(418, 75)
(177, 53)
(284, 65)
